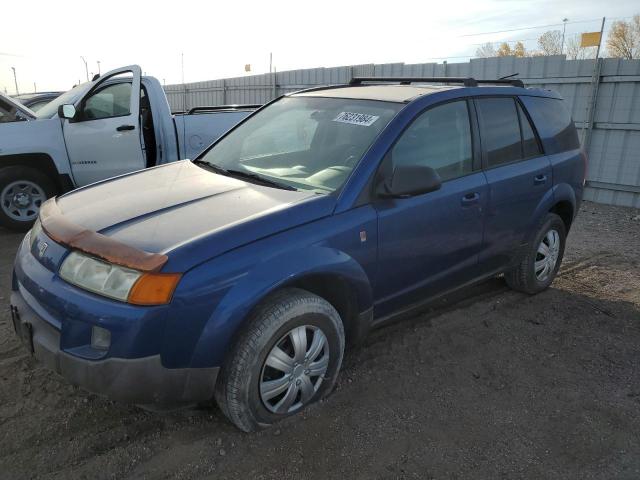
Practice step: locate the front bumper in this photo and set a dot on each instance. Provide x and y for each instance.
(142, 381)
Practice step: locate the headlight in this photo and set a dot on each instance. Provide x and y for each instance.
(35, 231)
(120, 283)
(99, 277)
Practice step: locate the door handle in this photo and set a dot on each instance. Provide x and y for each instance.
(470, 199)
(539, 179)
(123, 128)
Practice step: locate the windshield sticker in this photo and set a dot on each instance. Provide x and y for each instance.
(356, 118)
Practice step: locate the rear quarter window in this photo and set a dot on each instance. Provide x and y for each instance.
(553, 122)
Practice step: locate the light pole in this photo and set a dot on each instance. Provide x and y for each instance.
(15, 79)
(99, 67)
(86, 68)
(564, 28)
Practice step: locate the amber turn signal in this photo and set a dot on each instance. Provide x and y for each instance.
(154, 288)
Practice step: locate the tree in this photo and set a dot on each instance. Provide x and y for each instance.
(624, 39)
(575, 52)
(505, 50)
(486, 50)
(519, 50)
(550, 43)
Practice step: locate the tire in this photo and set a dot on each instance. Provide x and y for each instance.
(529, 276)
(241, 383)
(19, 183)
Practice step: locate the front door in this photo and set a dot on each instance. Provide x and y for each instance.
(103, 139)
(430, 243)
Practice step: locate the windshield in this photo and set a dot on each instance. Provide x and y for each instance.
(304, 142)
(51, 108)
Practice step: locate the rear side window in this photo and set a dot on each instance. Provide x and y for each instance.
(553, 122)
(530, 145)
(500, 129)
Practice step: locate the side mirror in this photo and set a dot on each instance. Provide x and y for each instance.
(410, 180)
(66, 111)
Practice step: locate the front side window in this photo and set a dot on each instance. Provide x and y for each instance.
(110, 101)
(309, 143)
(440, 138)
(500, 129)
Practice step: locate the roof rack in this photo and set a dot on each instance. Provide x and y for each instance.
(222, 108)
(466, 81)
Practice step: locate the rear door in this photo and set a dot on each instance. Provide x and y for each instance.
(429, 243)
(518, 174)
(103, 140)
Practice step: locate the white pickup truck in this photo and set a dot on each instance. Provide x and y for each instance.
(118, 123)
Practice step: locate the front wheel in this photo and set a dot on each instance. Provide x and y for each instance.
(287, 358)
(22, 191)
(542, 258)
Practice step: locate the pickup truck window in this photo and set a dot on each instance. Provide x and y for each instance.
(111, 101)
(307, 143)
(440, 138)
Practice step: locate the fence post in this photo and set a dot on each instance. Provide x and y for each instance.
(587, 125)
(224, 92)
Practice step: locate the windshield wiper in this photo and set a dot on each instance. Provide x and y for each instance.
(260, 179)
(212, 166)
(245, 175)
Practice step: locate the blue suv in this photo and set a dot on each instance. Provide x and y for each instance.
(241, 276)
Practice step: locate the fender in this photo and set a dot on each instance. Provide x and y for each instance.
(41, 137)
(563, 192)
(266, 277)
(546, 203)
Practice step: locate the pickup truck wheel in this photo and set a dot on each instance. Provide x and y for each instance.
(22, 191)
(287, 358)
(542, 258)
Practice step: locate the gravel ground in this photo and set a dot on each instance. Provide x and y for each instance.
(489, 384)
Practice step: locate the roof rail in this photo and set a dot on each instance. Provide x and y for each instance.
(218, 108)
(466, 81)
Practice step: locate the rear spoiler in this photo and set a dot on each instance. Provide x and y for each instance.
(61, 230)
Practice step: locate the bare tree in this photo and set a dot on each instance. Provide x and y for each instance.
(574, 51)
(486, 50)
(624, 39)
(550, 43)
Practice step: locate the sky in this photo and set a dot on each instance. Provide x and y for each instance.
(45, 40)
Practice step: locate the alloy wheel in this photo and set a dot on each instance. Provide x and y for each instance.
(21, 200)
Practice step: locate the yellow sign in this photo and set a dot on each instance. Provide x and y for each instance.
(590, 39)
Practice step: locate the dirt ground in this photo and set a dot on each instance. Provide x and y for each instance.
(498, 385)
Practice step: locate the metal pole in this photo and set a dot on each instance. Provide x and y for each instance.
(184, 87)
(275, 74)
(15, 79)
(564, 28)
(99, 67)
(587, 125)
(35, 89)
(601, 33)
(86, 68)
(270, 62)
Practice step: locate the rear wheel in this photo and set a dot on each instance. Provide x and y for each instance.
(22, 191)
(287, 358)
(542, 259)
